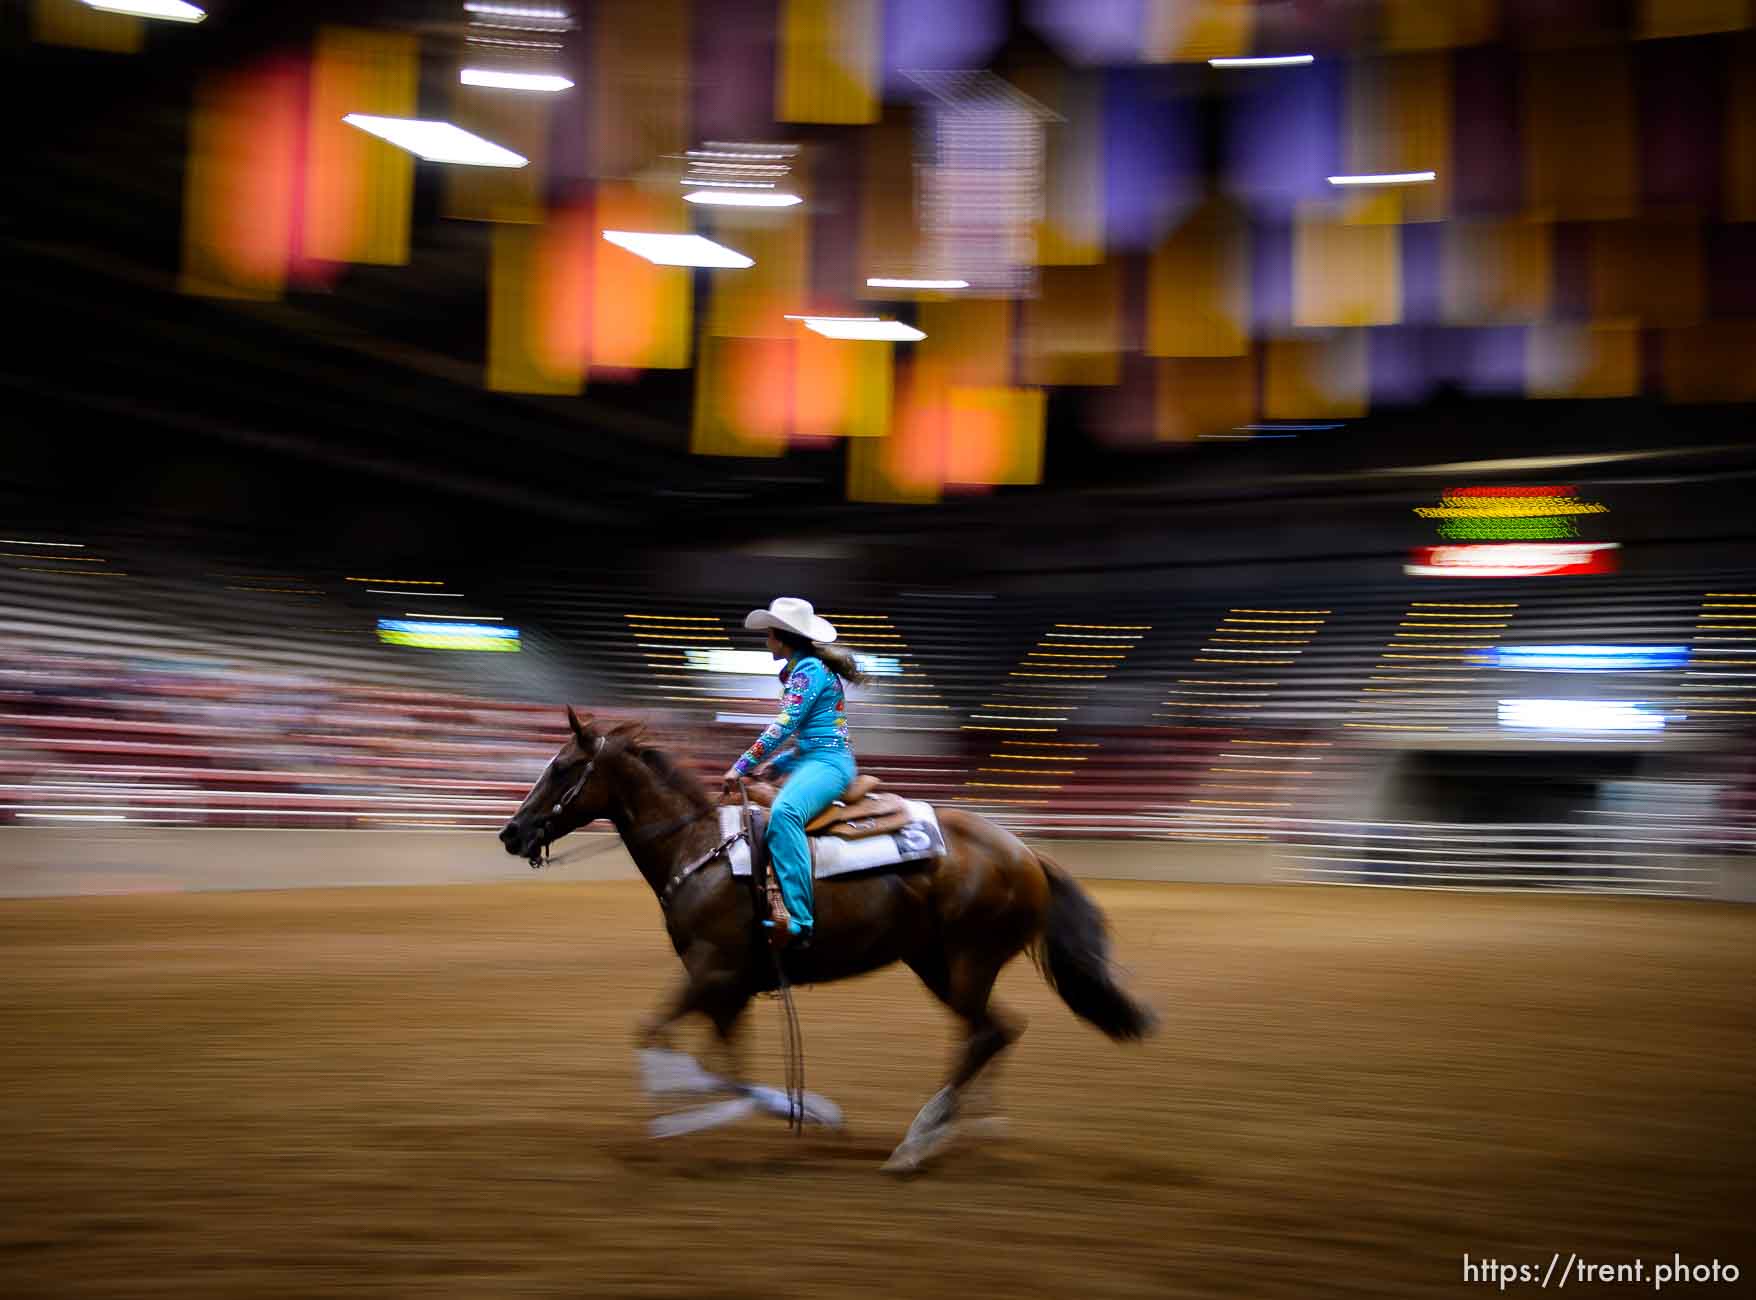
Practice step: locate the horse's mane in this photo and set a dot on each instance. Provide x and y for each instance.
(637, 742)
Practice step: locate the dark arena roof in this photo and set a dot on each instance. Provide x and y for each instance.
(337, 407)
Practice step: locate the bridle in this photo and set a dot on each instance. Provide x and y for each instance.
(540, 854)
(795, 1045)
(573, 793)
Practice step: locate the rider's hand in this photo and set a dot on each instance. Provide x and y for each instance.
(731, 778)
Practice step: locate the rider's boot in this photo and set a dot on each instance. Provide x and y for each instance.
(780, 922)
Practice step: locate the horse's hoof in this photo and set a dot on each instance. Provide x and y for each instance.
(915, 1152)
(699, 1118)
(901, 1162)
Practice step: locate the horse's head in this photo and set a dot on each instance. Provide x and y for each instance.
(571, 792)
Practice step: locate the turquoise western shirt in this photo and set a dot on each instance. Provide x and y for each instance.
(813, 710)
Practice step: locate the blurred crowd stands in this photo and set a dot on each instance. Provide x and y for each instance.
(161, 695)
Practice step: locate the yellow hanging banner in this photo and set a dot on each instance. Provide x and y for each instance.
(827, 61)
(359, 189)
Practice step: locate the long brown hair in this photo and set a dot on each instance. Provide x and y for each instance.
(838, 659)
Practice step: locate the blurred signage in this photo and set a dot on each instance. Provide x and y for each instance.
(1512, 560)
(436, 635)
(1580, 716)
(1506, 514)
(1585, 658)
(759, 663)
(750, 663)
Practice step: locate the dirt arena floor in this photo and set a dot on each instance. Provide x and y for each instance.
(430, 1092)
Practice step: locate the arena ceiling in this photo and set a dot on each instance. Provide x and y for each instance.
(355, 415)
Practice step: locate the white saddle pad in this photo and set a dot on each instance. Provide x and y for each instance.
(832, 856)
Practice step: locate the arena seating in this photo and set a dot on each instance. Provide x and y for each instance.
(171, 691)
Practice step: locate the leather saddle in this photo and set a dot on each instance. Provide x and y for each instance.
(864, 810)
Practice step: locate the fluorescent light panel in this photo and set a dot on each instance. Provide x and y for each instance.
(746, 663)
(436, 141)
(171, 10)
(539, 81)
(1580, 715)
(1386, 178)
(759, 663)
(678, 250)
(861, 328)
(1264, 61)
(884, 282)
(516, 11)
(741, 199)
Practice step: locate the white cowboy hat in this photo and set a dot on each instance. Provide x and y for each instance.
(790, 614)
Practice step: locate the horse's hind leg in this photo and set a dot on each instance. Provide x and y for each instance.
(965, 984)
(991, 1029)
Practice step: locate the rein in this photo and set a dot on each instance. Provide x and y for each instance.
(793, 1037)
(543, 857)
(689, 868)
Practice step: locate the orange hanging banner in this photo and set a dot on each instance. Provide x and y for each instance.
(743, 397)
(994, 436)
(908, 467)
(539, 305)
(242, 184)
(641, 313)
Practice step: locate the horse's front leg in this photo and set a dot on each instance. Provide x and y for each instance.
(686, 997)
(664, 1070)
(721, 996)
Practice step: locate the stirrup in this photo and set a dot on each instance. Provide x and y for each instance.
(778, 916)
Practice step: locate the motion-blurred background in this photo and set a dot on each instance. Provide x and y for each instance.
(1315, 430)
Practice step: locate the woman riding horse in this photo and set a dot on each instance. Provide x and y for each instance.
(813, 714)
(956, 920)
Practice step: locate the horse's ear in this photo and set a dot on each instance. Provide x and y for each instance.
(581, 730)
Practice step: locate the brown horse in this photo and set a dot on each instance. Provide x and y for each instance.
(954, 920)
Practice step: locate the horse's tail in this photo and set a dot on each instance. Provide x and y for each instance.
(1073, 954)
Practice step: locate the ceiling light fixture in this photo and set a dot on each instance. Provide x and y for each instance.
(516, 11)
(1386, 178)
(544, 82)
(171, 10)
(887, 282)
(1264, 61)
(741, 199)
(436, 141)
(678, 250)
(861, 328)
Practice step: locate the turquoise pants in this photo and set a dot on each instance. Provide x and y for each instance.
(813, 783)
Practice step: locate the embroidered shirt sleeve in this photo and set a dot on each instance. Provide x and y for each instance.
(796, 696)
